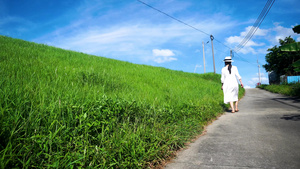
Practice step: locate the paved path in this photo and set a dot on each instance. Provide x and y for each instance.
(264, 134)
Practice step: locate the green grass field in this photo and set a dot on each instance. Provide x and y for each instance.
(65, 109)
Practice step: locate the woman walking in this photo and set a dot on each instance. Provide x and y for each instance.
(230, 85)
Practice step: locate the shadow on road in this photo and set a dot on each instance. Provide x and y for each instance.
(293, 117)
(291, 101)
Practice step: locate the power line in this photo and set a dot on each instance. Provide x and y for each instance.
(256, 25)
(173, 17)
(259, 20)
(181, 22)
(223, 44)
(243, 59)
(252, 31)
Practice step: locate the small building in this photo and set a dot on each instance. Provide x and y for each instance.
(293, 79)
(289, 79)
(273, 78)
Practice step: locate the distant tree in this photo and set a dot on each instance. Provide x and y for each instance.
(293, 47)
(281, 62)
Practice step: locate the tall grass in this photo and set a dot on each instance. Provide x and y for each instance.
(65, 109)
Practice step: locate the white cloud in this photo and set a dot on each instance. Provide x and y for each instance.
(126, 41)
(238, 39)
(131, 36)
(247, 87)
(163, 55)
(234, 39)
(162, 52)
(255, 79)
(259, 32)
(264, 80)
(261, 38)
(120, 42)
(248, 48)
(281, 33)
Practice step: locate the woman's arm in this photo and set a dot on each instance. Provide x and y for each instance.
(222, 78)
(239, 77)
(241, 83)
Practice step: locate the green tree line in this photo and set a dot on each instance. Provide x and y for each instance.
(282, 62)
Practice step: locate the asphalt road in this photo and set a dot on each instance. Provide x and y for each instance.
(265, 133)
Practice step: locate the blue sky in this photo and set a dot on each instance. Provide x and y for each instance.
(128, 30)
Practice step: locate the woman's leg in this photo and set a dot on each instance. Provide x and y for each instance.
(232, 108)
(236, 106)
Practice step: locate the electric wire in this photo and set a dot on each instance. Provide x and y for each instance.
(173, 17)
(258, 22)
(182, 22)
(240, 58)
(256, 25)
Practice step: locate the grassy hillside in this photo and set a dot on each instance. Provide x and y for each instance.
(61, 108)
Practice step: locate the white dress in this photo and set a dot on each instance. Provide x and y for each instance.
(230, 84)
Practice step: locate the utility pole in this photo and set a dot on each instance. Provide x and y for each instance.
(203, 56)
(212, 47)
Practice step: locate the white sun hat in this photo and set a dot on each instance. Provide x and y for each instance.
(228, 59)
